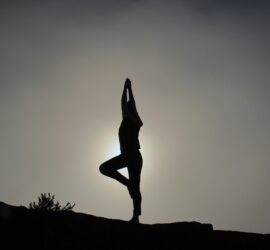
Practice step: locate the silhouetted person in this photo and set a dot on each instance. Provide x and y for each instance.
(130, 156)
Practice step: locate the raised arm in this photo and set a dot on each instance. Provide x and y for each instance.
(133, 113)
(130, 94)
(124, 101)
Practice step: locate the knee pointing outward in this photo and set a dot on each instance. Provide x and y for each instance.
(104, 169)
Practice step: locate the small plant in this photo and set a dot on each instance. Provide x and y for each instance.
(46, 202)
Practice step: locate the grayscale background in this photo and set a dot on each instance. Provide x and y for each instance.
(200, 74)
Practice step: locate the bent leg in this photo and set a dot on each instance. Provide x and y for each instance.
(110, 167)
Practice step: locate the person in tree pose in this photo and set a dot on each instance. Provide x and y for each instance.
(130, 156)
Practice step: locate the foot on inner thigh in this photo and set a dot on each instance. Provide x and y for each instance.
(130, 190)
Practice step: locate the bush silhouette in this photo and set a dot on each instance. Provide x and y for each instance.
(46, 202)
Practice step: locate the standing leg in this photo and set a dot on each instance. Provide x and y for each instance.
(110, 167)
(134, 169)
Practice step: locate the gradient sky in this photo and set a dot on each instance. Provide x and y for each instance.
(200, 73)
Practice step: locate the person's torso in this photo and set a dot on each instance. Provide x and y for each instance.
(129, 135)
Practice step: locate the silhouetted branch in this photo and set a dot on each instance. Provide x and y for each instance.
(46, 202)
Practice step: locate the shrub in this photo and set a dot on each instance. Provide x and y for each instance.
(46, 202)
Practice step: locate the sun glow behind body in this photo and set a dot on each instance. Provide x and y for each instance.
(113, 150)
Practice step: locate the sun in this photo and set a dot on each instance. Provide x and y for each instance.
(113, 150)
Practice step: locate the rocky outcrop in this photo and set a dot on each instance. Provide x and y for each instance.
(30, 229)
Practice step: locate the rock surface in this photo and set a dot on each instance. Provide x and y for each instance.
(30, 229)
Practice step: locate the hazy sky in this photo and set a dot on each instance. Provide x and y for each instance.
(200, 73)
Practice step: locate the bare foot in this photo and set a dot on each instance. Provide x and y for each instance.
(135, 220)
